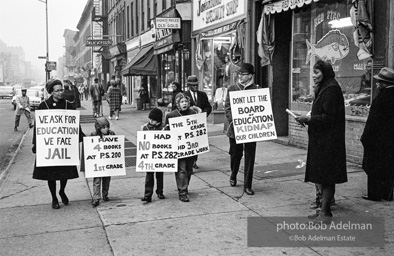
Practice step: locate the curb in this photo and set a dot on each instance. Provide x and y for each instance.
(4, 175)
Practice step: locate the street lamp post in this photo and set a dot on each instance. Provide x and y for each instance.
(47, 72)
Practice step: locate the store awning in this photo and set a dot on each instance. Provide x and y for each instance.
(142, 52)
(143, 64)
(284, 5)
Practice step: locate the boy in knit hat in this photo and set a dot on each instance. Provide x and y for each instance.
(102, 129)
(155, 123)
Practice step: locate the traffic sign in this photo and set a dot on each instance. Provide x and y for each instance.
(51, 65)
(42, 57)
(98, 42)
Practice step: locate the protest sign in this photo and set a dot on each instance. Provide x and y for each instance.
(57, 137)
(252, 115)
(104, 156)
(192, 134)
(157, 151)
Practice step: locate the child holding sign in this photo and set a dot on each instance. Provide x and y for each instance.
(102, 129)
(185, 165)
(155, 123)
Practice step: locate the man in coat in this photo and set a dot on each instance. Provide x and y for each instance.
(378, 140)
(245, 82)
(199, 99)
(22, 107)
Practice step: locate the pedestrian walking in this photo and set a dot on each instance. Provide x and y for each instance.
(245, 82)
(101, 184)
(185, 165)
(378, 138)
(114, 100)
(86, 91)
(68, 94)
(326, 158)
(77, 97)
(155, 124)
(53, 173)
(81, 89)
(176, 88)
(96, 94)
(22, 107)
(199, 99)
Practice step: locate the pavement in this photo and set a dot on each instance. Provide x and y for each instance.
(214, 222)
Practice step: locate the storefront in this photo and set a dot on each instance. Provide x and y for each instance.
(172, 48)
(309, 30)
(219, 44)
(141, 70)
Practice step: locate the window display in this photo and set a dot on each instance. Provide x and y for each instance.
(324, 30)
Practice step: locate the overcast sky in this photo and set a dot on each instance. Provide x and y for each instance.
(23, 23)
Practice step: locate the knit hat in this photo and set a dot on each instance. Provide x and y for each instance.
(179, 97)
(51, 83)
(100, 123)
(156, 114)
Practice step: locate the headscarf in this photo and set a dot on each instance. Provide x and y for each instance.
(326, 69)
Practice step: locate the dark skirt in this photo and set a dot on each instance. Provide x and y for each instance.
(55, 172)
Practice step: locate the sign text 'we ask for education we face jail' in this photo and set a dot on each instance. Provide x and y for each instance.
(57, 137)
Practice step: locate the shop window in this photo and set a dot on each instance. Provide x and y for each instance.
(218, 59)
(324, 31)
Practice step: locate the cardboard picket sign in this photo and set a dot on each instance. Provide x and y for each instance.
(252, 115)
(57, 137)
(157, 151)
(192, 134)
(104, 156)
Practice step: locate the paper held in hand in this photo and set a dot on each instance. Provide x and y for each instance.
(290, 113)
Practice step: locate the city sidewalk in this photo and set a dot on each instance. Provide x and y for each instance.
(214, 222)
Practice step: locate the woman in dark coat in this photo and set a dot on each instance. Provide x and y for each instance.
(53, 173)
(176, 88)
(326, 160)
(378, 140)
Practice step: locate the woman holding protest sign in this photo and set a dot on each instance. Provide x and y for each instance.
(185, 165)
(54, 87)
(326, 160)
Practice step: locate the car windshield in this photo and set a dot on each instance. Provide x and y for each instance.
(32, 93)
(6, 89)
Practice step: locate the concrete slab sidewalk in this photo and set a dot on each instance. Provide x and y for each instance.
(213, 223)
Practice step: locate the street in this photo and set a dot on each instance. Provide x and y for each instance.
(9, 139)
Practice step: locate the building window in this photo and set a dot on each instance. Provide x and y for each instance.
(128, 22)
(142, 16)
(132, 18)
(155, 9)
(148, 12)
(137, 17)
(324, 31)
(164, 4)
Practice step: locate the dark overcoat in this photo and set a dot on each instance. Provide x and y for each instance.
(202, 101)
(55, 172)
(326, 160)
(378, 137)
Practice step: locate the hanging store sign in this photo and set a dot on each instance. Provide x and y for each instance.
(285, 5)
(171, 23)
(207, 12)
(98, 42)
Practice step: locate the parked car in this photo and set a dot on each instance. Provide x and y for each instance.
(34, 98)
(6, 92)
(40, 89)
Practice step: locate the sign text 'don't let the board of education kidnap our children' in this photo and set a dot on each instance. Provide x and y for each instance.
(252, 115)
